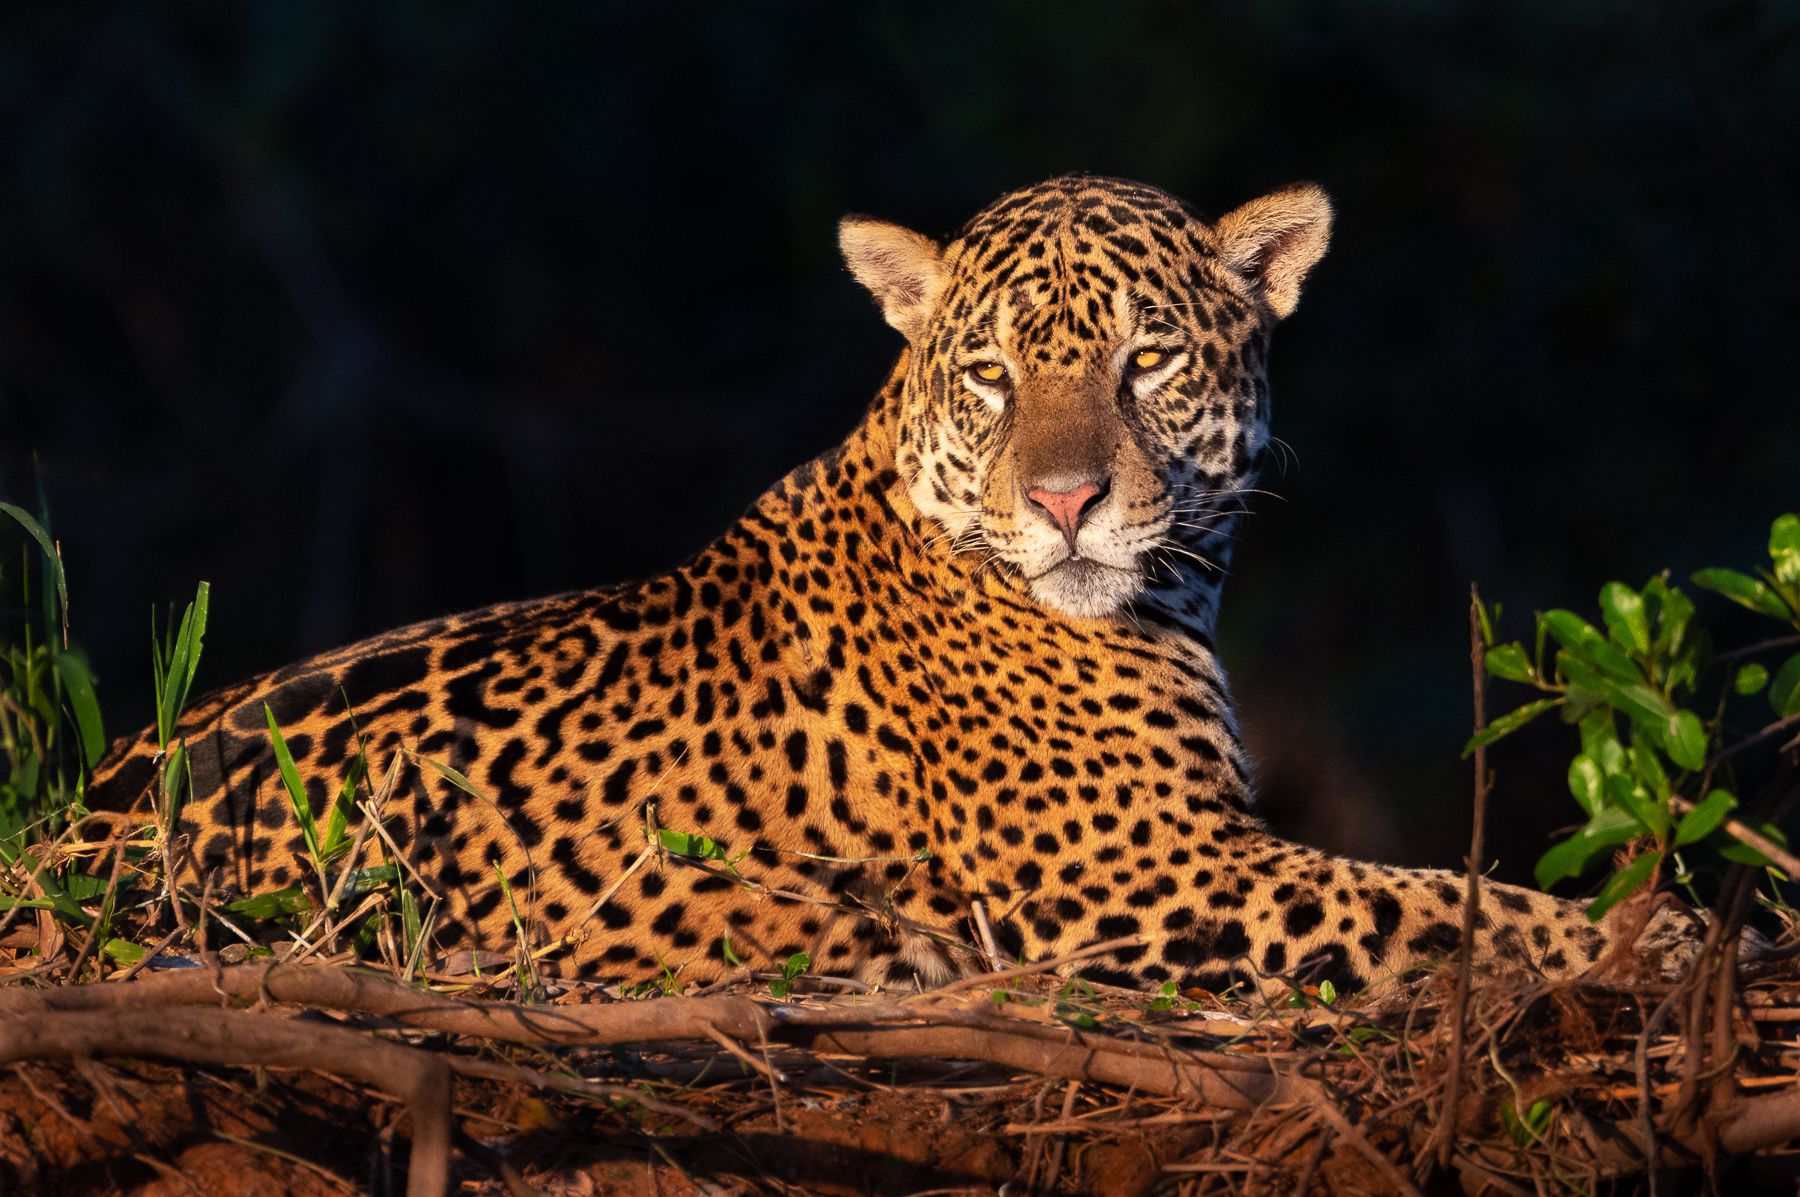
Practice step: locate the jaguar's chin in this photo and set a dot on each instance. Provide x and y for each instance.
(1086, 588)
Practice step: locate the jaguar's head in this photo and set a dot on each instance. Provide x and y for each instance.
(1086, 399)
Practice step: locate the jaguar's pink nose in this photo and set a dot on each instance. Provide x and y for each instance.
(1068, 508)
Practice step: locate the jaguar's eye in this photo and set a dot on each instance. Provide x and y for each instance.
(988, 372)
(1148, 359)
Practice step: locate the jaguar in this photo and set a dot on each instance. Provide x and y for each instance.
(955, 675)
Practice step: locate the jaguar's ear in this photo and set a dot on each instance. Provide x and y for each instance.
(902, 269)
(1272, 242)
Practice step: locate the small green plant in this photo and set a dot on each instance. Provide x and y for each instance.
(50, 727)
(1653, 772)
(1322, 994)
(1076, 1003)
(665, 985)
(50, 737)
(1529, 1127)
(791, 968)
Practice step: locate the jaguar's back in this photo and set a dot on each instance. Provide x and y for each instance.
(964, 657)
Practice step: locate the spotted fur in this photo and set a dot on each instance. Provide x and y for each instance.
(899, 684)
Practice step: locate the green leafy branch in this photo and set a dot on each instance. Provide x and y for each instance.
(1650, 765)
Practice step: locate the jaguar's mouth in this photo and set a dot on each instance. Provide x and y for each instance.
(1084, 587)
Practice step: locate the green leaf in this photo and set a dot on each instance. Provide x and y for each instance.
(178, 768)
(1743, 853)
(78, 683)
(1686, 740)
(796, 964)
(1634, 797)
(1570, 858)
(1529, 1127)
(54, 562)
(1784, 690)
(366, 881)
(1739, 853)
(1704, 817)
(455, 778)
(1587, 783)
(84, 887)
(121, 951)
(410, 926)
(177, 673)
(1508, 723)
(1327, 992)
(1648, 769)
(1784, 535)
(1582, 641)
(1784, 550)
(339, 824)
(1750, 678)
(1509, 661)
(1621, 884)
(1675, 611)
(731, 957)
(1623, 609)
(290, 780)
(1642, 705)
(1598, 730)
(1569, 628)
(1744, 590)
(696, 847)
(275, 904)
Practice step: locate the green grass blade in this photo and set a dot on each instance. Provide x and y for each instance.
(455, 778)
(191, 649)
(37, 533)
(339, 824)
(183, 660)
(159, 672)
(176, 769)
(290, 779)
(78, 683)
(409, 921)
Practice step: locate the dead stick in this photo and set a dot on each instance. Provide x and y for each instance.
(1459, 1006)
(240, 1039)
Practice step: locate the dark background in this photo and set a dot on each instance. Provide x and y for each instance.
(371, 312)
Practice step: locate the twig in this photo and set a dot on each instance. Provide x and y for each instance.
(158, 949)
(1751, 650)
(1056, 1153)
(1459, 1006)
(744, 1057)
